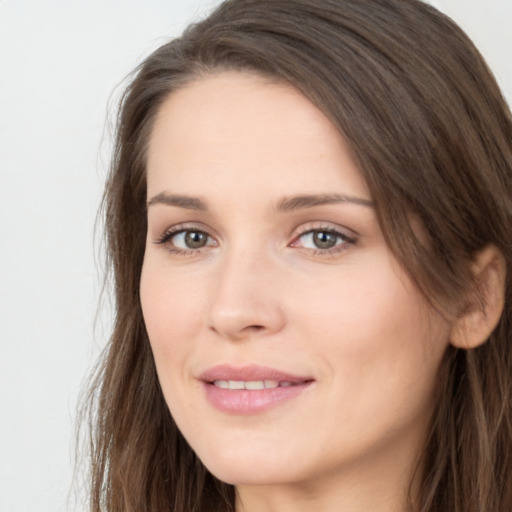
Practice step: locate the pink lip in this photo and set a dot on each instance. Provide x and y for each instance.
(247, 373)
(245, 401)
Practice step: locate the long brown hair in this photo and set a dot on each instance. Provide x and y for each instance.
(432, 135)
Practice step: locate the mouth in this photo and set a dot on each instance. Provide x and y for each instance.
(250, 389)
(252, 384)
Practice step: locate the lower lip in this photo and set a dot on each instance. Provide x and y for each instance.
(243, 401)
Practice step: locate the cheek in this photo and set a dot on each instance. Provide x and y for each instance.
(380, 348)
(376, 332)
(172, 313)
(374, 306)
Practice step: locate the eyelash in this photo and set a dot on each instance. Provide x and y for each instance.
(175, 231)
(346, 241)
(336, 249)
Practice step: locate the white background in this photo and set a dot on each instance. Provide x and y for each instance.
(61, 64)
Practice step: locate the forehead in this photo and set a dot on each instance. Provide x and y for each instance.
(234, 126)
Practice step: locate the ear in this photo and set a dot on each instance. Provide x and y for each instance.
(483, 310)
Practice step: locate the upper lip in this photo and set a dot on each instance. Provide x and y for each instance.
(249, 373)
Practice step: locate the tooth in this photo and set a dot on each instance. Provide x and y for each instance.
(251, 385)
(254, 384)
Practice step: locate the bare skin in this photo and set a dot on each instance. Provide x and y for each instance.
(236, 273)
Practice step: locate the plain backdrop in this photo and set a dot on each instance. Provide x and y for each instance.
(61, 64)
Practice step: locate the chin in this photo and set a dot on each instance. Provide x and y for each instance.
(251, 465)
(247, 474)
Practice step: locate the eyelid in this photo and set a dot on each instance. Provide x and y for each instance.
(169, 233)
(348, 236)
(183, 226)
(324, 226)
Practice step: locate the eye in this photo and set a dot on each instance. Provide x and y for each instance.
(186, 241)
(320, 239)
(190, 239)
(323, 240)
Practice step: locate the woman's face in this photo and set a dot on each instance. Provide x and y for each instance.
(289, 343)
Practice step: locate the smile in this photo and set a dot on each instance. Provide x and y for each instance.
(251, 384)
(250, 389)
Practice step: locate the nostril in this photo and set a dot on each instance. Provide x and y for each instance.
(246, 329)
(254, 327)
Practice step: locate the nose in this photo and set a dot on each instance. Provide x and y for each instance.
(245, 300)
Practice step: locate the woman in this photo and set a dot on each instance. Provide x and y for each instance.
(308, 221)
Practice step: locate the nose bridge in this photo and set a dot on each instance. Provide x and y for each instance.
(243, 300)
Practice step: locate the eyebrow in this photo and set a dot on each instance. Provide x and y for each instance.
(187, 202)
(286, 204)
(289, 204)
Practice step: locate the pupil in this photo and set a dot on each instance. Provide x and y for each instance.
(324, 239)
(195, 239)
